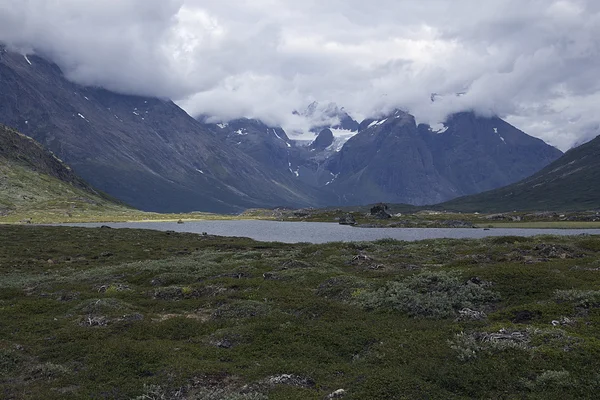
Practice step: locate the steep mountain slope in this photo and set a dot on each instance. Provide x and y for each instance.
(394, 160)
(570, 183)
(145, 151)
(31, 178)
(478, 154)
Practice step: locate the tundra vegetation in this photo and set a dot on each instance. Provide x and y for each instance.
(131, 314)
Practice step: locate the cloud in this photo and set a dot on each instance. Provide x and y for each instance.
(533, 62)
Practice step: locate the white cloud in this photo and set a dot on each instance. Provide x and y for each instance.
(532, 61)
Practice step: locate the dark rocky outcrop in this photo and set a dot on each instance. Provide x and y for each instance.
(347, 219)
(323, 140)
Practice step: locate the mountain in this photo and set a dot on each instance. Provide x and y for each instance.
(571, 183)
(394, 160)
(323, 140)
(33, 179)
(145, 151)
(329, 116)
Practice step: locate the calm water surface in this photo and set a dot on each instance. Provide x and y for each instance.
(318, 232)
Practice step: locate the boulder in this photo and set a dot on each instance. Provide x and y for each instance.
(379, 211)
(347, 219)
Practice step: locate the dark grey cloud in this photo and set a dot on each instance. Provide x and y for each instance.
(532, 61)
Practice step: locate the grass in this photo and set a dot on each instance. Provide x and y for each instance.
(131, 314)
(543, 225)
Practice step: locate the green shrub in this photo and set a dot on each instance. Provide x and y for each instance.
(581, 298)
(429, 295)
(9, 361)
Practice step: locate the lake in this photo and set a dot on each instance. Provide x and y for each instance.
(319, 232)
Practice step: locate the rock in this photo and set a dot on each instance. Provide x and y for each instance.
(382, 215)
(323, 140)
(180, 222)
(224, 344)
(347, 219)
(291, 380)
(458, 224)
(498, 217)
(468, 314)
(376, 209)
(105, 227)
(337, 394)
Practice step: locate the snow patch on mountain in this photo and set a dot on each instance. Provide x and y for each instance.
(439, 128)
(498, 133)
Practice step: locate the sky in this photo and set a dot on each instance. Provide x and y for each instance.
(533, 62)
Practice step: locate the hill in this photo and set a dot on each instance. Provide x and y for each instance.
(34, 182)
(571, 183)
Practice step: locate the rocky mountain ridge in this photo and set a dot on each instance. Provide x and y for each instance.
(151, 154)
(145, 151)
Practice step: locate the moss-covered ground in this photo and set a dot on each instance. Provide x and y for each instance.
(131, 314)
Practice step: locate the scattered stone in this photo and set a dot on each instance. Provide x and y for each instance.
(290, 380)
(457, 224)
(269, 276)
(106, 254)
(555, 251)
(498, 217)
(467, 314)
(224, 344)
(119, 287)
(347, 219)
(564, 321)
(338, 394)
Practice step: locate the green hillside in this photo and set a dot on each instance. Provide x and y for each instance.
(571, 183)
(35, 185)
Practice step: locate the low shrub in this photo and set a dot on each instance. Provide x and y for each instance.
(429, 294)
(581, 298)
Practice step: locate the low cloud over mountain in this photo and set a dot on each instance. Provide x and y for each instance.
(534, 62)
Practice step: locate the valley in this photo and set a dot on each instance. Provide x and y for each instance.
(150, 254)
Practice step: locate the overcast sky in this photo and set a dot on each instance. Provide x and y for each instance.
(534, 62)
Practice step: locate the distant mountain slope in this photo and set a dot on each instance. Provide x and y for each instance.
(31, 178)
(570, 183)
(145, 151)
(394, 160)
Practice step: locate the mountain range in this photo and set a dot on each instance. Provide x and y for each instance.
(152, 155)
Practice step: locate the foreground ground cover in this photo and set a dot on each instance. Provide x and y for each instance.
(131, 314)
